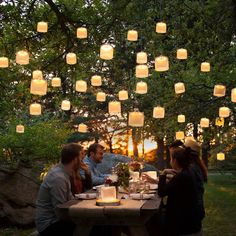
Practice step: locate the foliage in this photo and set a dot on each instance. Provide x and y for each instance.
(122, 171)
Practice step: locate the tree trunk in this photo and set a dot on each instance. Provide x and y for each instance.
(110, 145)
(161, 163)
(205, 153)
(135, 142)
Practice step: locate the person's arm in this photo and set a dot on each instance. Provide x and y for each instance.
(97, 178)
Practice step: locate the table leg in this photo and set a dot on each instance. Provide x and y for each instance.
(81, 230)
(138, 230)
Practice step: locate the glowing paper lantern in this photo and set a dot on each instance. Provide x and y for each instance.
(37, 74)
(114, 107)
(106, 52)
(161, 63)
(42, 27)
(181, 118)
(233, 95)
(205, 67)
(38, 87)
(158, 112)
(224, 112)
(56, 82)
(96, 80)
(82, 33)
(71, 58)
(136, 119)
(141, 71)
(141, 87)
(108, 194)
(219, 121)
(4, 62)
(132, 35)
(179, 135)
(22, 58)
(65, 105)
(20, 129)
(82, 128)
(182, 54)
(204, 122)
(141, 58)
(123, 95)
(161, 27)
(179, 88)
(220, 156)
(81, 86)
(35, 109)
(101, 97)
(219, 90)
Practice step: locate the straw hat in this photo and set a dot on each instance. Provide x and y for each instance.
(193, 144)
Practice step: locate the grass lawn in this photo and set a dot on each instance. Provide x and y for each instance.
(220, 204)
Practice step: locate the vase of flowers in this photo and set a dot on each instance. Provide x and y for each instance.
(122, 171)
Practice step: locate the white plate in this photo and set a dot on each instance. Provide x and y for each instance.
(153, 186)
(138, 196)
(86, 195)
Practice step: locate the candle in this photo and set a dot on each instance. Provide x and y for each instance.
(161, 27)
(96, 80)
(20, 129)
(42, 27)
(141, 71)
(158, 112)
(101, 97)
(65, 105)
(219, 90)
(205, 67)
(204, 122)
(106, 52)
(141, 57)
(179, 135)
(179, 88)
(82, 33)
(22, 58)
(71, 58)
(220, 156)
(224, 112)
(82, 128)
(123, 95)
(161, 63)
(233, 95)
(141, 87)
(181, 118)
(4, 62)
(81, 86)
(136, 119)
(38, 87)
(114, 107)
(132, 35)
(56, 82)
(35, 109)
(182, 54)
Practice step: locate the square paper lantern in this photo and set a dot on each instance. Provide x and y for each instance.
(204, 122)
(161, 63)
(42, 27)
(219, 90)
(205, 67)
(108, 194)
(22, 57)
(81, 86)
(35, 109)
(179, 88)
(38, 87)
(141, 58)
(132, 35)
(141, 71)
(158, 112)
(233, 95)
(20, 129)
(65, 105)
(71, 58)
(4, 62)
(179, 135)
(114, 107)
(82, 33)
(136, 119)
(224, 112)
(56, 82)
(161, 27)
(182, 54)
(82, 128)
(96, 80)
(219, 121)
(106, 52)
(220, 156)
(123, 95)
(181, 118)
(141, 87)
(101, 97)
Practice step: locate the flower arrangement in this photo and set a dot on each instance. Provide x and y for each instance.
(122, 171)
(135, 166)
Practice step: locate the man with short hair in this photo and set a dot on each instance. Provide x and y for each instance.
(94, 157)
(56, 189)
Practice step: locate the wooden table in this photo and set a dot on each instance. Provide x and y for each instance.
(134, 222)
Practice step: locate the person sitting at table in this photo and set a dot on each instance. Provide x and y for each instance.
(56, 189)
(94, 157)
(80, 184)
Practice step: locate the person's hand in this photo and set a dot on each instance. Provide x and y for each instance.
(149, 179)
(169, 172)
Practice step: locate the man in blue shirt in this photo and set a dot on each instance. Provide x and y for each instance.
(94, 157)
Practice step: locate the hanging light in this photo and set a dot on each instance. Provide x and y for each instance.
(161, 27)
(179, 88)
(22, 58)
(56, 82)
(158, 112)
(204, 122)
(219, 90)
(161, 63)
(219, 121)
(37, 74)
(42, 27)
(81, 86)
(96, 80)
(136, 119)
(82, 128)
(123, 95)
(141, 57)
(179, 135)
(132, 35)
(182, 54)
(82, 33)
(4, 62)
(114, 107)
(106, 52)
(141, 71)
(65, 105)
(224, 112)
(181, 118)
(205, 67)
(71, 58)
(35, 109)
(233, 95)
(20, 129)
(101, 97)
(141, 87)
(220, 156)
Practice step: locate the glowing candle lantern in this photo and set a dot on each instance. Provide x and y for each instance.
(205, 67)
(179, 88)
(114, 107)
(42, 27)
(161, 28)
(82, 128)
(224, 112)
(219, 90)
(37, 74)
(136, 119)
(132, 35)
(106, 52)
(38, 87)
(204, 122)
(161, 63)
(108, 194)
(123, 95)
(82, 33)
(233, 95)
(22, 58)
(101, 97)
(65, 105)
(181, 118)
(4, 62)
(220, 156)
(56, 82)
(96, 80)
(179, 135)
(219, 121)
(35, 109)
(71, 58)
(141, 71)
(20, 129)
(182, 54)
(158, 112)
(141, 58)
(81, 86)
(141, 87)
